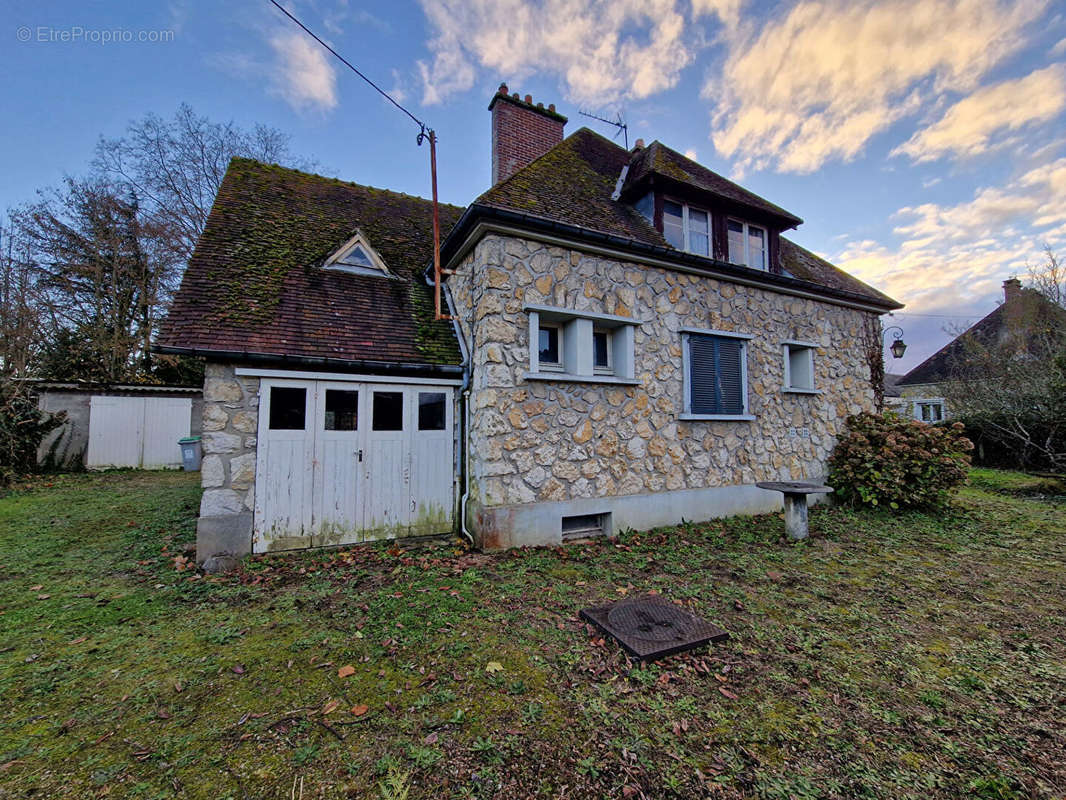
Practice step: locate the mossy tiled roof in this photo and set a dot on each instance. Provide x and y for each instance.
(255, 283)
(805, 265)
(573, 183)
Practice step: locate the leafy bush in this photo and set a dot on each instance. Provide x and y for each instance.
(885, 460)
(22, 427)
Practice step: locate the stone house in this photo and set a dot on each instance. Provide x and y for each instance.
(633, 342)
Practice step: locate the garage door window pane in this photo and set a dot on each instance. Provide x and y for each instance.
(388, 411)
(431, 411)
(288, 408)
(342, 410)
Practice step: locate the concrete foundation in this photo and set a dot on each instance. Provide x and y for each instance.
(540, 524)
(224, 534)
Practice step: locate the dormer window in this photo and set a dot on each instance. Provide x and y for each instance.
(747, 244)
(358, 257)
(687, 228)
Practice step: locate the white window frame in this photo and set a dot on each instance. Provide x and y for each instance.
(552, 366)
(686, 366)
(786, 350)
(929, 401)
(685, 229)
(576, 350)
(596, 368)
(747, 244)
(358, 240)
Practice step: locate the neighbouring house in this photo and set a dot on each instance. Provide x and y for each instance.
(633, 343)
(921, 391)
(117, 425)
(908, 403)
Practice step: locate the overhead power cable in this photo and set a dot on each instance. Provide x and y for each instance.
(424, 134)
(349, 65)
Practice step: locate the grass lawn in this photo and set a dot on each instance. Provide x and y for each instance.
(886, 657)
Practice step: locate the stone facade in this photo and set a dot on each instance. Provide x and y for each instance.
(230, 423)
(557, 443)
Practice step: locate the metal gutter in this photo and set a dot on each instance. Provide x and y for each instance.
(363, 365)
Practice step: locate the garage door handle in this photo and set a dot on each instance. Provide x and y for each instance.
(360, 454)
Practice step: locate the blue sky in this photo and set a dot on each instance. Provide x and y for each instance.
(922, 141)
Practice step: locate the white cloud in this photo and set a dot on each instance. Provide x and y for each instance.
(968, 128)
(820, 81)
(728, 11)
(602, 52)
(952, 259)
(1059, 48)
(303, 76)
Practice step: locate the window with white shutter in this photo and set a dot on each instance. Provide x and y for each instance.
(715, 375)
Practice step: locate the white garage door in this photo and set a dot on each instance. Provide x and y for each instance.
(139, 432)
(342, 462)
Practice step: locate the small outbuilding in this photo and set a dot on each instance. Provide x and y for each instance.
(110, 425)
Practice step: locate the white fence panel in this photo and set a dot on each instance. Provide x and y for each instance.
(166, 419)
(116, 432)
(138, 432)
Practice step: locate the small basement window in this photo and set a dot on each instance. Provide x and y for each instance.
(799, 367)
(584, 526)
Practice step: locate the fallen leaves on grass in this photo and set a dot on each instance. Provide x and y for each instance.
(330, 707)
(493, 666)
(359, 710)
(346, 671)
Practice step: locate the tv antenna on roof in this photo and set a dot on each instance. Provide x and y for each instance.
(619, 123)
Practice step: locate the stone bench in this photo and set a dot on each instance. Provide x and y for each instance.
(795, 503)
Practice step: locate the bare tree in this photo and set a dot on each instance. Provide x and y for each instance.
(21, 313)
(175, 166)
(1009, 383)
(101, 267)
(1051, 280)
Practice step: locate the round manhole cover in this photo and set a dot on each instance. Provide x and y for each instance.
(654, 622)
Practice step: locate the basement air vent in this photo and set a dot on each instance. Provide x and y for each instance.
(585, 526)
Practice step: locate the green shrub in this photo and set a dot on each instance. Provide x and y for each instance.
(885, 460)
(22, 427)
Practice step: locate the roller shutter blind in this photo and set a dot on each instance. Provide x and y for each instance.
(716, 380)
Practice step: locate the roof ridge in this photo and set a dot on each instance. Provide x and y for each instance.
(554, 148)
(337, 181)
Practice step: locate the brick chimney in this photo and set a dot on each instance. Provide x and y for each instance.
(521, 132)
(1012, 287)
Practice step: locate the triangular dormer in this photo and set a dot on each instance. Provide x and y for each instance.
(358, 257)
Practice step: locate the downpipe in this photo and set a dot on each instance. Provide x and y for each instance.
(466, 468)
